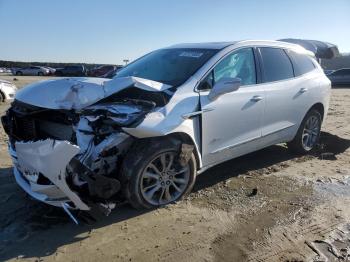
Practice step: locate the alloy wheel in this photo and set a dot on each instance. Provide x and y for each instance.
(311, 132)
(163, 180)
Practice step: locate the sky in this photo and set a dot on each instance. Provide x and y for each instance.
(109, 31)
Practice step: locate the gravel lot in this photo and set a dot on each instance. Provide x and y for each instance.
(266, 206)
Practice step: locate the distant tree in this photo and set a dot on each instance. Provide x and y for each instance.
(11, 64)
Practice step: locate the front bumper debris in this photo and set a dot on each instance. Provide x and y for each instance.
(46, 159)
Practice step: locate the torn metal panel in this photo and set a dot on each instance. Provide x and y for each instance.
(78, 93)
(91, 153)
(49, 158)
(119, 83)
(122, 113)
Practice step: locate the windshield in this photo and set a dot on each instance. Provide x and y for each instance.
(169, 66)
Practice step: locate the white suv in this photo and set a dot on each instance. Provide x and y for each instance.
(144, 135)
(7, 91)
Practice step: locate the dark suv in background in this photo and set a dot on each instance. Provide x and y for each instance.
(340, 77)
(101, 71)
(76, 70)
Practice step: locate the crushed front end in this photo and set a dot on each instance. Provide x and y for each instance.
(71, 158)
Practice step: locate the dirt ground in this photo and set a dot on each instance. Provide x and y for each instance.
(266, 206)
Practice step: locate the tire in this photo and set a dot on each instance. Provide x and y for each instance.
(137, 169)
(19, 73)
(40, 74)
(299, 144)
(2, 97)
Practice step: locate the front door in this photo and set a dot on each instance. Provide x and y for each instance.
(231, 124)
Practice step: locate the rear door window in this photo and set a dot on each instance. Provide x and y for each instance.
(276, 64)
(302, 63)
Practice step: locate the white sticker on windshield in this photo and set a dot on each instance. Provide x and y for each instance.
(191, 54)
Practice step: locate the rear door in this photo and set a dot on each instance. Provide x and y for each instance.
(231, 124)
(287, 94)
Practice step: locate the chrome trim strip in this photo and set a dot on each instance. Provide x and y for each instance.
(235, 145)
(189, 115)
(250, 140)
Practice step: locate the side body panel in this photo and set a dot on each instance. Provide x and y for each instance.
(232, 124)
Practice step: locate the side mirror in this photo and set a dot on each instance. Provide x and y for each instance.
(223, 86)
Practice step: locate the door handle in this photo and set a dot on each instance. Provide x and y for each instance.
(303, 90)
(256, 98)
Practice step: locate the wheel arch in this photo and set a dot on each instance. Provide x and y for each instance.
(319, 107)
(186, 138)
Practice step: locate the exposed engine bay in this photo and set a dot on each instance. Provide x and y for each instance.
(70, 157)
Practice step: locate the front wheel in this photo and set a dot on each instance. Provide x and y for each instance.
(308, 133)
(154, 176)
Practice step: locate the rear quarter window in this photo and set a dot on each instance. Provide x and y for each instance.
(302, 63)
(276, 65)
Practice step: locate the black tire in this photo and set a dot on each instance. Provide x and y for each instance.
(19, 73)
(297, 145)
(2, 97)
(40, 74)
(135, 163)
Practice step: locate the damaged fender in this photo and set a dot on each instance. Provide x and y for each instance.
(172, 119)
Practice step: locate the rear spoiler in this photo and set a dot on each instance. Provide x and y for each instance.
(320, 49)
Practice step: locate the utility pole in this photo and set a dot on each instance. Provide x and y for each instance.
(126, 61)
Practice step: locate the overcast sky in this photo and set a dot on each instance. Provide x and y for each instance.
(107, 31)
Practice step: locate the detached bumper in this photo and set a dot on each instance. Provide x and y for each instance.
(48, 158)
(23, 183)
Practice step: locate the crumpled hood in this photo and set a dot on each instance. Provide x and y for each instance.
(78, 93)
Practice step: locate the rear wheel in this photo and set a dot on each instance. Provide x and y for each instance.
(154, 177)
(308, 133)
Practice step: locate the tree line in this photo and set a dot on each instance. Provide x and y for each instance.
(11, 64)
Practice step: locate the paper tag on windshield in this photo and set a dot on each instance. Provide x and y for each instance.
(191, 54)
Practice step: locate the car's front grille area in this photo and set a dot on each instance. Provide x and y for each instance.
(25, 128)
(28, 123)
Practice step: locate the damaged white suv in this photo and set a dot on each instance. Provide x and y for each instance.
(145, 134)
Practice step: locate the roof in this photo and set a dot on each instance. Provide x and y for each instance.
(209, 45)
(222, 45)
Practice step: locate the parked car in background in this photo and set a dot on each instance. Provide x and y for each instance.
(5, 70)
(340, 77)
(328, 71)
(7, 91)
(112, 73)
(52, 71)
(101, 70)
(73, 70)
(31, 71)
(145, 134)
